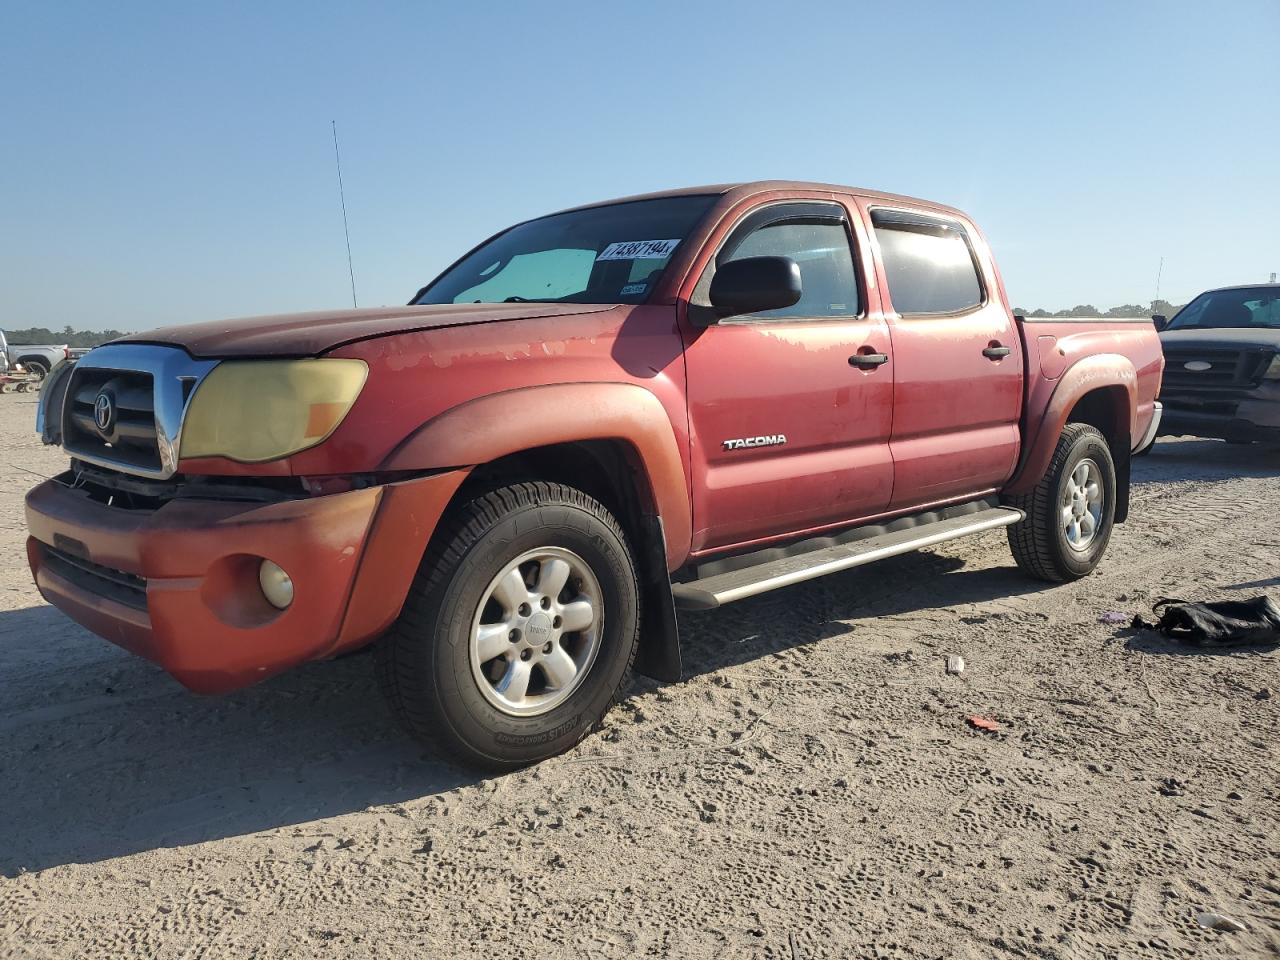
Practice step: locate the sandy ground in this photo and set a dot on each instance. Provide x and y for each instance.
(812, 790)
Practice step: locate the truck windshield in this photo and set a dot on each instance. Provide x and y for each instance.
(609, 254)
(1219, 309)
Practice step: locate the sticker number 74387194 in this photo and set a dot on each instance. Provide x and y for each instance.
(638, 250)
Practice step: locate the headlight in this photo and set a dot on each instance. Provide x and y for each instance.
(256, 410)
(1273, 371)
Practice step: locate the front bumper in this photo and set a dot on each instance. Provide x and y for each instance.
(178, 584)
(1251, 419)
(1186, 424)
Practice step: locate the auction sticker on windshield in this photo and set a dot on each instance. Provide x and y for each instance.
(638, 250)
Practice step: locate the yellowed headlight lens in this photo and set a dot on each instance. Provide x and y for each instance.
(257, 410)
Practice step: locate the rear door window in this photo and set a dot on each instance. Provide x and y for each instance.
(928, 262)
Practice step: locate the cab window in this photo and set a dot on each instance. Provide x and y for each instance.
(928, 263)
(816, 237)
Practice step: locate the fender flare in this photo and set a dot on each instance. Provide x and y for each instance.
(511, 421)
(1100, 371)
(498, 424)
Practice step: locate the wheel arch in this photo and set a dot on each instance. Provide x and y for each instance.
(614, 441)
(1107, 410)
(515, 422)
(608, 469)
(26, 359)
(1100, 390)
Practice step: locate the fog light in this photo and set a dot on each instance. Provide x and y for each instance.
(276, 585)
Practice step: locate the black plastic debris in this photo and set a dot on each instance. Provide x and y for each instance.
(1221, 622)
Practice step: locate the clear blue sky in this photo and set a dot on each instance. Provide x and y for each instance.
(171, 162)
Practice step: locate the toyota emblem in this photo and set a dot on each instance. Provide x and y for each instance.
(104, 412)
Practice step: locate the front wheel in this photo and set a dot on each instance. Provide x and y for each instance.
(1071, 511)
(520, 629)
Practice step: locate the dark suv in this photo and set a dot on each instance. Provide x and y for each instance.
(1222, 370)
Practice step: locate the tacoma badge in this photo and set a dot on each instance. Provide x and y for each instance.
(773, 440)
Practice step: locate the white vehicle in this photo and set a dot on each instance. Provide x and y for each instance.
(35, 359)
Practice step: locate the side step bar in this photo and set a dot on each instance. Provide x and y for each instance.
(713, 591)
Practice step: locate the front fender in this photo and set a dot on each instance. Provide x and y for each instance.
(511, 421)
(1055, 399)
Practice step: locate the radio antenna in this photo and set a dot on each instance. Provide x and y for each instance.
(1159, 274)
(342, 197)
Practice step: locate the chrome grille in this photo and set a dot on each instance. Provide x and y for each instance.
(147, 388)
(129, 439)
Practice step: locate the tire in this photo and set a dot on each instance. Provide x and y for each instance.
(37, 368)
(431, 665)
(1042, 544)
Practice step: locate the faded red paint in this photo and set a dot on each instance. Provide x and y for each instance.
(206, 622)
(1072, 360)
(487, 428)
(452, 387)
(955, 412)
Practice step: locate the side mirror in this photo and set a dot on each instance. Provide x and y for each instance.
(755, 284)
(1160, 320)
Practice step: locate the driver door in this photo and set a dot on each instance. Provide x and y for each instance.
(790, 431)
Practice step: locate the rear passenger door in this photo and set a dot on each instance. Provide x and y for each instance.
(958, 369)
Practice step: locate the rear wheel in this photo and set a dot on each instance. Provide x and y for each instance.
(37, 368)
(520, 629)
(1071, 511)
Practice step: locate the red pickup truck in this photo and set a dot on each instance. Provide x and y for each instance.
(590, 420)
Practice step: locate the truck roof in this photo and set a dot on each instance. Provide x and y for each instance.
(1243, 286)
(753, 187)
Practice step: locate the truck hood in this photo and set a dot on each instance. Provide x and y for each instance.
(311, 334)
(1242, 338)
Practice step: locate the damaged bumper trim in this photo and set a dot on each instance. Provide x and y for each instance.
(178, 584)
(1153, 428)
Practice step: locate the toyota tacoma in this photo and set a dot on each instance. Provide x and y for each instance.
(590, 420)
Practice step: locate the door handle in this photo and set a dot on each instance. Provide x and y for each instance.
(868, 361)
(996, 352)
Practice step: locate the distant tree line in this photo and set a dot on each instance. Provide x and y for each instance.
(72, 338)
(1162, 307)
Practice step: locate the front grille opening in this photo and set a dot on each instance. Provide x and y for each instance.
(125, 492)
(1228, 368)
(117, 585)
(129, 437)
